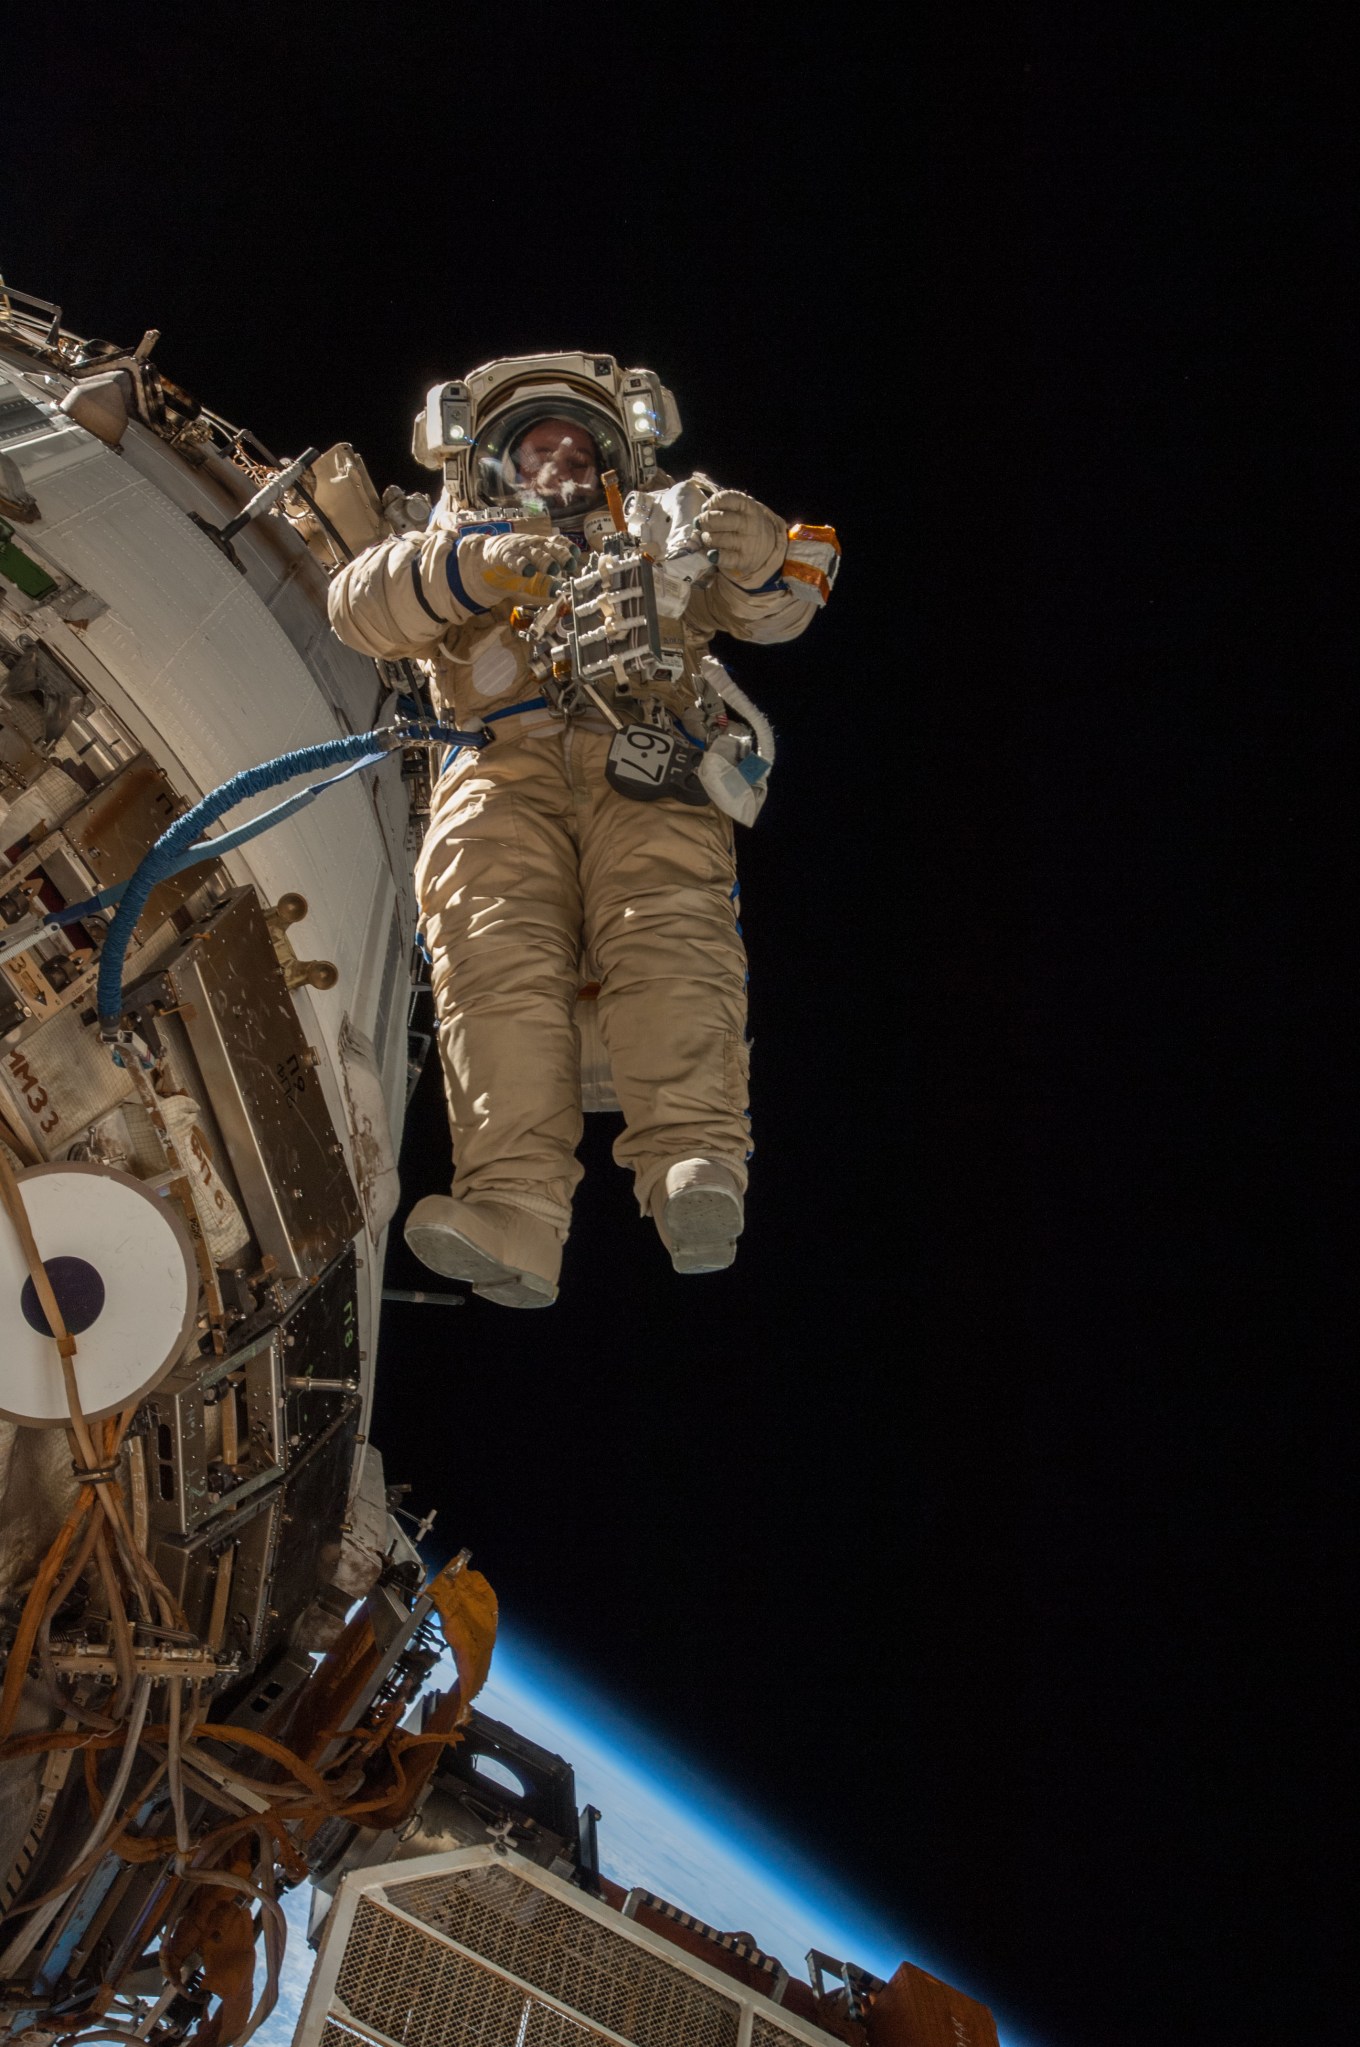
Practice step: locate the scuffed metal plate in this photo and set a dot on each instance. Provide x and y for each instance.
(313, 1508)
(259, 1072)
(60, 1078)
(318, 1352)
(120, 823)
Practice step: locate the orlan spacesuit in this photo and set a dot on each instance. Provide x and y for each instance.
(541, 871)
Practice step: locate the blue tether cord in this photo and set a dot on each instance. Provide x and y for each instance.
(492, 718)
(210, 849)
(177, 847)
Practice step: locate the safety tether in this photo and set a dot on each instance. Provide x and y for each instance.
(176, 848)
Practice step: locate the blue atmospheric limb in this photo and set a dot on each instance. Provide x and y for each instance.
(685, 1837)
(664, 1822)
(666, 1827)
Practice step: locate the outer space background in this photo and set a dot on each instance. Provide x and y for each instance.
(957, 1577)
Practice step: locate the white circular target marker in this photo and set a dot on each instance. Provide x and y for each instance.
(122, 1268)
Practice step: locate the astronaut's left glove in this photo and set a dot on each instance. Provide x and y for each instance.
(750, 539)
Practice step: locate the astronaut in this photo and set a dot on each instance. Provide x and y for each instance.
(541, 871)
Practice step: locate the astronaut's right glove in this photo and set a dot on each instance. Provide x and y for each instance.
(488, 568)
(750, 539)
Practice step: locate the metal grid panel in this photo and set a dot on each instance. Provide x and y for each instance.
(765, 2033)
(416, 1991)
(550, 2028)
(333, 2035)
(603, 1975)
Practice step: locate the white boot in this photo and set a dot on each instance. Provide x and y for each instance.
(698, 1213)
(507, 1256)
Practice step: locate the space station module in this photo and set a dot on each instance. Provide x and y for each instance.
(203, 1077)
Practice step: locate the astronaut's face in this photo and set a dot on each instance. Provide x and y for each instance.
(558, 461)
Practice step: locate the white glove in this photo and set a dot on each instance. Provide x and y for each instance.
(495, 566)
(751, 540)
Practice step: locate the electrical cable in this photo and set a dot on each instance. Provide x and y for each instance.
(174, 1768)
(120, 1630)
(102, 1722)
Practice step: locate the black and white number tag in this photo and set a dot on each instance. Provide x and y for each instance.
(644, 764)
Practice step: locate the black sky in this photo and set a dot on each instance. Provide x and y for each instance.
(981, 1526)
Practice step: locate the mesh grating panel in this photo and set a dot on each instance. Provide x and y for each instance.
(549, 2028)
(598, 1973)
(333, 2035)
(765, 2033)
(416, 1992)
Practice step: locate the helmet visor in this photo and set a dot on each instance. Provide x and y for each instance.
(549, 454)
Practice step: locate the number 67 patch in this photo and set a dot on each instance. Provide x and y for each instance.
(644, 764)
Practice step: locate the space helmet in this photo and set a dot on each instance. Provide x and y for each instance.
(540, 432)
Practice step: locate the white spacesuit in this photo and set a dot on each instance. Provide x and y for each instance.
(574, 628)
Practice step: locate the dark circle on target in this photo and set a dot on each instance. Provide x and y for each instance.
(80, 1296)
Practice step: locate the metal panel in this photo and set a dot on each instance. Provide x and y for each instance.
(264, 1439)
(535, 1937)
(248, 1464)
(408, 1987)
(60, 1078)
(259, 1072)
(918, 2010)
(225, 1429)
(733, 1953)
(177, 1445)
(317, 1347)
(309, 1526)
(286, 1674)
(252, 1582)
(189, 1575)
(120, 823)
(333, 2035)
(422, 1993)
(581, 1971)
(283, 1538)
(18, 415)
